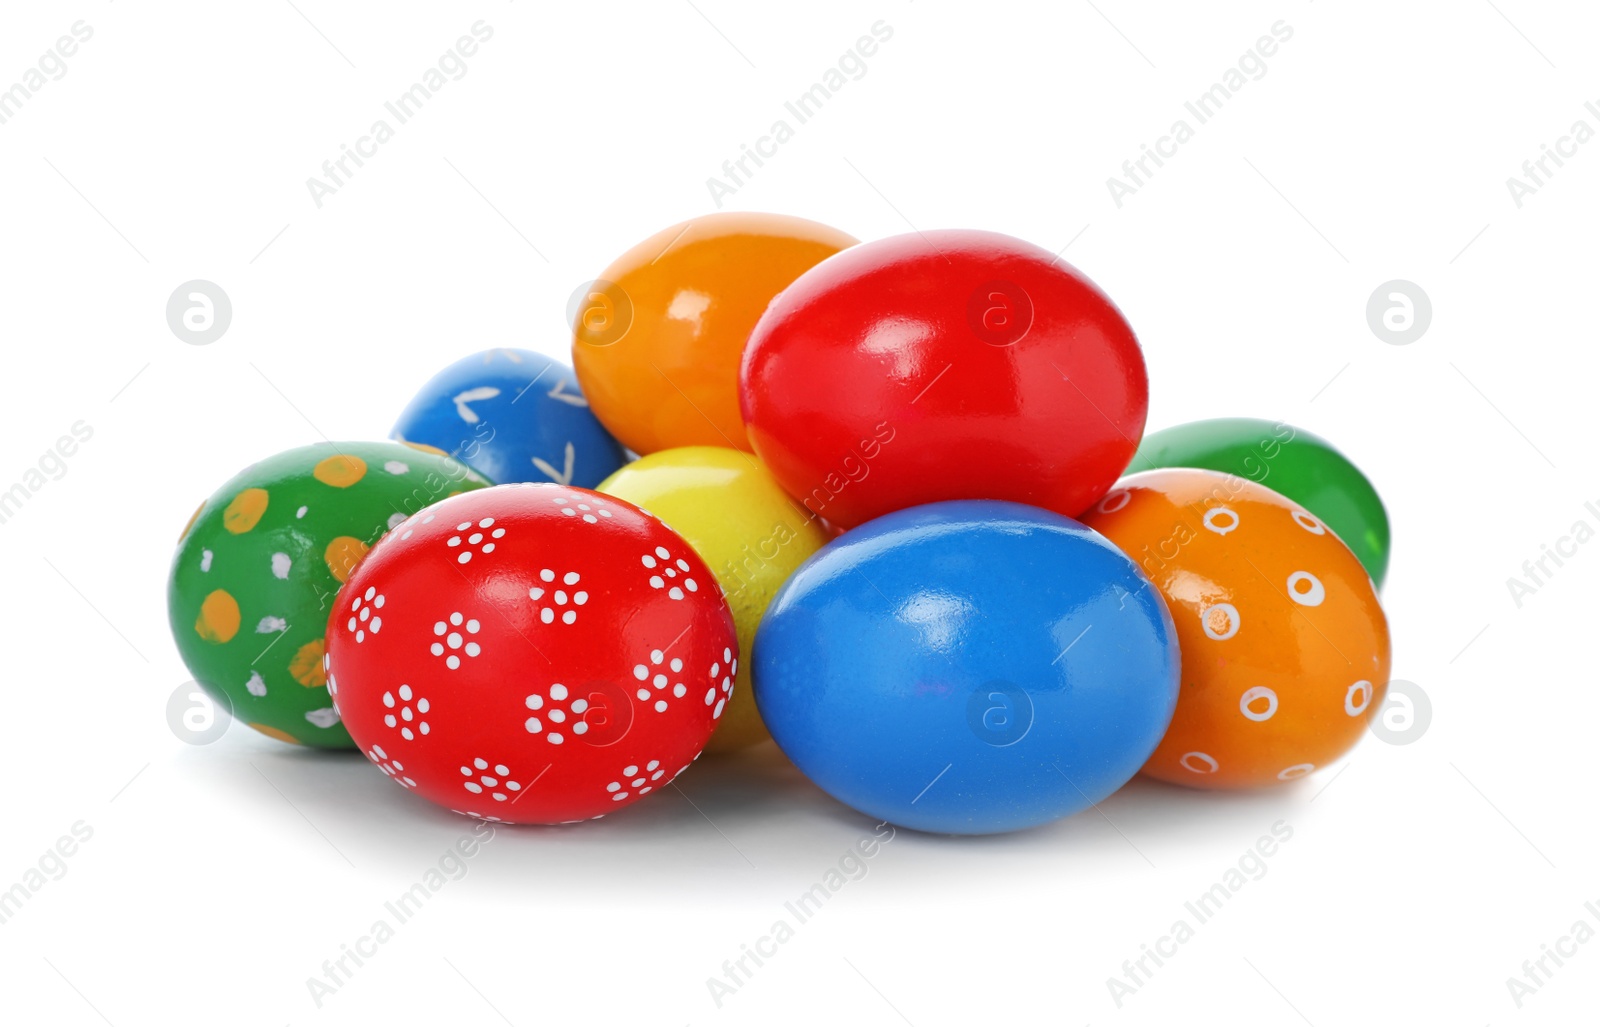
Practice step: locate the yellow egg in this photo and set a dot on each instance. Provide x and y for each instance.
(727, 506)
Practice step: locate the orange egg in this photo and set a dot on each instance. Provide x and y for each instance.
(658, 337)
(1285, 648)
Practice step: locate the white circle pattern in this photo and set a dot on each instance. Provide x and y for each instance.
(1230, 617)
(1357, 698)
(1314, 592)
(1251, 696)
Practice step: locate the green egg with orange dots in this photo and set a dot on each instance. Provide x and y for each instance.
(258, 567)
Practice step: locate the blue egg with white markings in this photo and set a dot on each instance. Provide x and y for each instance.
(968, 667)
(512, 415)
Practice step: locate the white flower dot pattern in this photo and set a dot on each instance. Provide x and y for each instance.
(555, 713)
(654, 678)
(726, 686)
(393, 767)
(483, 779)
(469, 536)
(453, 638)
(364, 616)
(636, 780)
(590, 511)
(406, 710)
(555, 599)
(428, 519)
(668, 573)
(479, 816)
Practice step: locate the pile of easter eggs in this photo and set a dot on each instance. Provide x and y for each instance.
(890, 504)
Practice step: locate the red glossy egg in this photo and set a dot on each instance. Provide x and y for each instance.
(531, 654)
(943, 365)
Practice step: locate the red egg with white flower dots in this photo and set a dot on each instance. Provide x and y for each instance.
(533, 654)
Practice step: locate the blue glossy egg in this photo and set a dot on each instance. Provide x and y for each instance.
(512, 415)
(968, 667)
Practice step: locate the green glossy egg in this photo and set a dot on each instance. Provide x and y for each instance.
(258, 567)
(1291, 461)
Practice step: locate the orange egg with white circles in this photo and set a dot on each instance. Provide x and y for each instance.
(1285, 647)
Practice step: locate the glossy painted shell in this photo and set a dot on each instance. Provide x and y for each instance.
(943, 365)
(1285, 647)
(547, 654)
(511, 415)
(257, 569)
(967, 667)
(657, 339)
(1294, 463)
(747, 529)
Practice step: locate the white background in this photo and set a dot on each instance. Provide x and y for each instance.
(219, 878)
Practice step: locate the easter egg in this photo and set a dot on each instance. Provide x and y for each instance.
(258, 566)
(943, 365)
(1285, 648)
(548, 654)
(746, 528)
(967, 667)
(1294, 463)
(657, 338)
(512, 415)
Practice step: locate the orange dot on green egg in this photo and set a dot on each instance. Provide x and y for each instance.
(306, 667)
(190, 526)
(219, 617)
(341, 470)
(342, 555)
(272, 732)
(245, 511)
